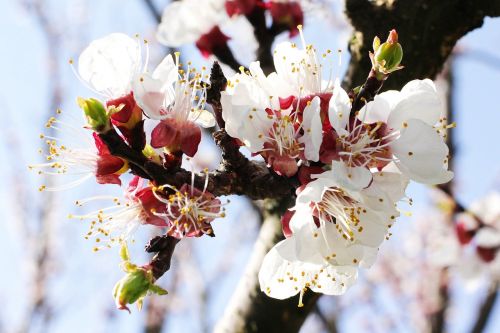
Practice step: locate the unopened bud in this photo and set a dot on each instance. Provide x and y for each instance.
(132, 288)
(96, 114)
(388, 55)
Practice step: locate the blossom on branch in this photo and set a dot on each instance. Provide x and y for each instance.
(337, 226)
(117, 223)
(280, 115)
(188, 211)
(75, 152)
(176, 98)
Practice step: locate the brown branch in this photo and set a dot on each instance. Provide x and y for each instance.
(164, 247)
(265, 37)
(154, 11)
(368, 91)
(329, 324)
(235, 176)
(486, 309)
(257, 19)
(437, 319)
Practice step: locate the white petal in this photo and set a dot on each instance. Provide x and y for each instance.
(273, 270)
(383, 193)
(203, 118)
(392, 183)
(312, 127)
(313, 192)
(350, 178)
(487, 237)
(339, 108)
(342, 253)
(335, 280)
(185, 21)
(148, 95)
(419, 85)
(373, 232)
(109, 64)
(419, 101)
(422, 153)
(251, 127)
(380, 108)
(301, 217)
(282, 278)
(167, 71)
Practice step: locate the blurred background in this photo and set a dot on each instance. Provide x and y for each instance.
(52, 281)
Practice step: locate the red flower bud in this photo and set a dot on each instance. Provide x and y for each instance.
(176, 136)
(109, 167)
(289, 14)
(239, 7)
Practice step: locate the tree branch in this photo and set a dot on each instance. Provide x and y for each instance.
(155, 12)
(265, 37)
(486, 308)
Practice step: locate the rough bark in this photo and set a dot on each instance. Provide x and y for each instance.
(486, 309)
(428, 31)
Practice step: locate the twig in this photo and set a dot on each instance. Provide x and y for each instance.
(486, 309)
(329, 324)
(164, 247)
(155, 12)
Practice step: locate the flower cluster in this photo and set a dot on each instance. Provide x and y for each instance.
(203, 22)
(349, 164)
(172, 100)
(353, 165)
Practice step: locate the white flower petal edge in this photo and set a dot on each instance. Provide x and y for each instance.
(168, 94)
(282, 276)
(339, 108)
(379, 108)
(243, 110)
(149, 95)
(185, 21)
(414, 130)
(419, 100)
(422, 153)
(311, 125)
(109, 64)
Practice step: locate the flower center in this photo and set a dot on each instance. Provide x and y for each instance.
(283, 137)
(366, 145)
(189, 212)
(339, 208)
